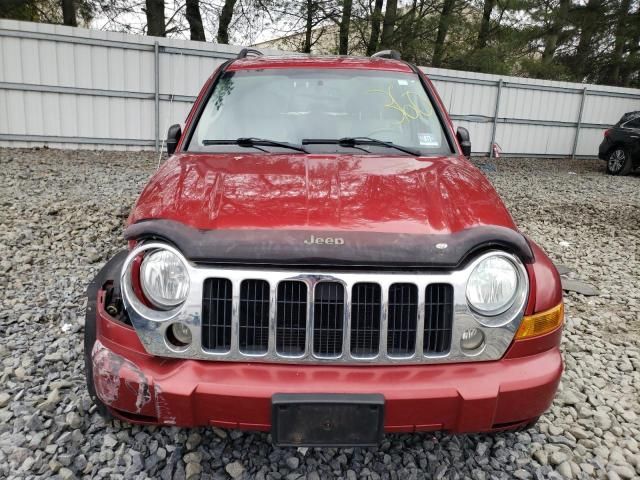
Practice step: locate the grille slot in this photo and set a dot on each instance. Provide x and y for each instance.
(254, 316)
(291, 318)
(365, 319)
(328, 319)
(216, 314)
(438, 320)
(402, 319)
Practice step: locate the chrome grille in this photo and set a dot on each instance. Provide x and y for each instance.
(328, 319)
(216, 314)
(403, 319)
(415, 317)
(438, 320)
(366, 308)
(328, 325)
(254, 316)
(291, 318)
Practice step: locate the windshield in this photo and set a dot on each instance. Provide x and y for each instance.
(296, 105)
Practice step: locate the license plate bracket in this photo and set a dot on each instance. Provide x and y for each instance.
(327, 420)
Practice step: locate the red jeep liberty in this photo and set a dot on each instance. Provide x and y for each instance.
(318, 259)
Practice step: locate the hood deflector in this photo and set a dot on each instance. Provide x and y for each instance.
(348, 248)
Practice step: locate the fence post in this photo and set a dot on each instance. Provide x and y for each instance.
(156, 68)
(495, 119)
(577, 135)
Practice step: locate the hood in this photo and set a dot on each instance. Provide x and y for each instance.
(395, 194)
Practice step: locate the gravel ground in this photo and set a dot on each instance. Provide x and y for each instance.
(62, 215)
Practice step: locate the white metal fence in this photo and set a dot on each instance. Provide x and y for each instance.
(76, 88)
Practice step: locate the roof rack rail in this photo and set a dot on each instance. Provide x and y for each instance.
(392, 54)
(245, 52)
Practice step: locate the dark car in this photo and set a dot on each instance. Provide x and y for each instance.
(621, 145)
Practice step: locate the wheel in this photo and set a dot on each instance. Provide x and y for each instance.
(619, 162)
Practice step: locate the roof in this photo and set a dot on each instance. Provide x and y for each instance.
(629, 116)
(363, 63)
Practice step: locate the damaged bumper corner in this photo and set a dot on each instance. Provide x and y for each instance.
(121, 385)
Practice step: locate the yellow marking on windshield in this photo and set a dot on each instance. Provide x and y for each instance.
(409, 110)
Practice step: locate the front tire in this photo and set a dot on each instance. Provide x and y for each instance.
(619, 162)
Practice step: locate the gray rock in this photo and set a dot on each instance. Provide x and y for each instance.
(66, 474)
(541, 456)
(293, 462)
(234, 469)
(109, 441)
(624, 471)
(578, 286)
(521, 474)
(563, 269)
(558, 457)
(74, 420)
(193, 441)
(161, 453)
(219, 432)
(193, 470)
(564, 469)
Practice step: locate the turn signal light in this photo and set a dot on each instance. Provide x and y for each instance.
(541, 323)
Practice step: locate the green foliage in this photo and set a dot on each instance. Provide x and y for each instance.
(45, 11)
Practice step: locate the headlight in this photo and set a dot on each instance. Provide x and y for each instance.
(492, 286)
(164, 279)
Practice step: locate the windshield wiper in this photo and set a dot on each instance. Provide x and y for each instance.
(256, 143)
(354, 141)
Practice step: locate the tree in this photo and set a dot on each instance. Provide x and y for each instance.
(590, 25)
(194, 19)
(308, 30)
(388, 24)
(376, 18)
(345, 24)
(226, 15)
(443, 27)
(621, 38)
(31, 10)
(69, 13)
(155, 18)
(485, 24)
(554, 37)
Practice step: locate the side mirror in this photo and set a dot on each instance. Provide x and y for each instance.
(173, 137)
(465, 143)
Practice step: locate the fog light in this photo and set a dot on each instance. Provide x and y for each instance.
(179, 335)
(472, 339)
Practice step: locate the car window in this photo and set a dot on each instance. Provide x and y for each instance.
(635, 123)
(289, 105)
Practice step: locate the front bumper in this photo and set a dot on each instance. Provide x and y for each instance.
(469, 397)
